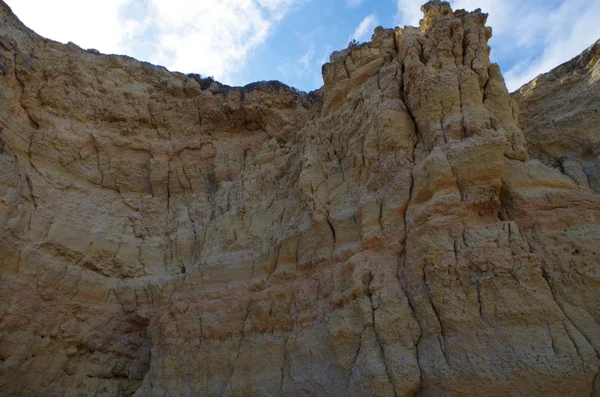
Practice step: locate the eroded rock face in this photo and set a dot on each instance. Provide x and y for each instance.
(385, 235)
(560, 114)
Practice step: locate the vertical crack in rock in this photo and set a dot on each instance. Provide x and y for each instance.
(388, 371)
(596, 385)
(409, 301)
(284, 365)
(33, 201)
(239, 349)
(354, 360)
(332, 230)
(442, 337)
(479, 300)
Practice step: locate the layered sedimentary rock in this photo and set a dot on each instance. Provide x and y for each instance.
(560, 115)
(163, 235)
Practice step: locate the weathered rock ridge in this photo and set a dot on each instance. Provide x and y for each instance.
(386, 235)
(560, 115)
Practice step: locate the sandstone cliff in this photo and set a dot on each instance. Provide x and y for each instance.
(386, 235)
(560, 115)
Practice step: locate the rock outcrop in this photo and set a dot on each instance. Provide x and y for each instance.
(560, 115)
(386, 235)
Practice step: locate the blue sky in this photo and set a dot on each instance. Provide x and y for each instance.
(241, 41)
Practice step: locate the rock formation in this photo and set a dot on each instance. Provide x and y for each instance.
(388, 234)
(560, 115)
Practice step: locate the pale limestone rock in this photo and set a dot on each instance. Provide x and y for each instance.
(164, 235)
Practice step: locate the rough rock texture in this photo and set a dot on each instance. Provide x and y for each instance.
(161, 235)
(560, 115)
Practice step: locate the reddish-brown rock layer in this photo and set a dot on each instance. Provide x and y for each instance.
(385, 235)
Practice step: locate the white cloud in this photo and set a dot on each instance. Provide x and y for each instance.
(365, 29)
(409, 12)
(90, 24)
(571, 29)
(531, 37)
(211, 37)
